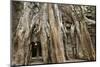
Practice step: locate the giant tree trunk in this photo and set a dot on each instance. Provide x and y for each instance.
(84, 36)
(22, 39)
(57, 52)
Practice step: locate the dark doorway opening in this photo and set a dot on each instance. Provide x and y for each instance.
(36, 49)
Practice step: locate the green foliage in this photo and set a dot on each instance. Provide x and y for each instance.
(90, 12)
(18, 6)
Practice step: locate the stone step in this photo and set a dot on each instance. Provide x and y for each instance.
(36, 59)
(67, 61)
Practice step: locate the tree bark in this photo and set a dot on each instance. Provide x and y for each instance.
(57, 52)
